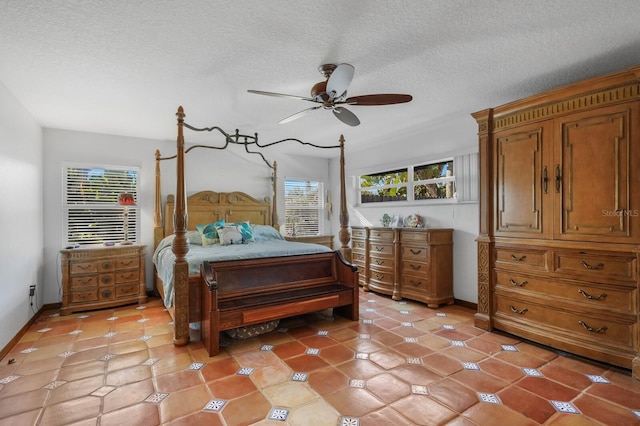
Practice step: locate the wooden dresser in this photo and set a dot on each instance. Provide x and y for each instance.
(559, 243)
(412, 263)
(99, 277)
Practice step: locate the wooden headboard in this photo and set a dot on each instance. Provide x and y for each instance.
(208, 206)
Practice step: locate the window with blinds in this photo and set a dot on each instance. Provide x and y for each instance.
(304, 207)
(92, 214)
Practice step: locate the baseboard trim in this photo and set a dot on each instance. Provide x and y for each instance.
(466, 304)
(26, 327)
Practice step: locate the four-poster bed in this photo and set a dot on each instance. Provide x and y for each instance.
(175, 232)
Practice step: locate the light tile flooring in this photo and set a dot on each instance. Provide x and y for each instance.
(401, 364)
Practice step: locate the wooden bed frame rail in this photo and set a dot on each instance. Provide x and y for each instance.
(236, 294)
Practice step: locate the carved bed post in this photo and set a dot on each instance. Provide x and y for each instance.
(158, 228)
(344, 234)
(274, 202)
(180, 246)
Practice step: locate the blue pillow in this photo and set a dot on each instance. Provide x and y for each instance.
(245, 229)
(266, 232)
(209, 232)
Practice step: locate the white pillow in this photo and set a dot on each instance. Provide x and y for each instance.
(230, 234)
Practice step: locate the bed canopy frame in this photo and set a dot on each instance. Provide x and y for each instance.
(180, 245)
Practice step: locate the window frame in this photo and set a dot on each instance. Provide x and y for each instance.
(410, 185)
(320, 207)
(111, 230)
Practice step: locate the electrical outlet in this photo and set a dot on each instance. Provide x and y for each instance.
(32, 290)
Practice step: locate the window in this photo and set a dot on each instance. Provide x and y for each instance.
(303, 207)
(92, 214)
(429, 181)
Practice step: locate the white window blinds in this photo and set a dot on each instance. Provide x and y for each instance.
(304, 207)
(92, 214)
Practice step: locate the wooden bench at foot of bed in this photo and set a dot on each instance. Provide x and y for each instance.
(240, 293)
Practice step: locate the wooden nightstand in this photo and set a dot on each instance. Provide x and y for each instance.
(96, 277)
(325, 240)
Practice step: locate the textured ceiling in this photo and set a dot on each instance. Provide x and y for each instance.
(123, 67)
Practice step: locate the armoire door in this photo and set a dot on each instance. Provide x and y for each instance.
(595, 170)
(523, 181)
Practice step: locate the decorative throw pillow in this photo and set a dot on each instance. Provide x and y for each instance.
(266, 232)
(245, 229)
(194, 238)
(209, 232)
(230, 234)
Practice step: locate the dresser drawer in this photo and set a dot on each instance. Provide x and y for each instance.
(106, 279)
(84, 281)
(414, 268)
(127, 276)
(521, 258)
(380, 249)
(381, 234)
(420, 254)
(383, 277)
(381, 263)
(84, 296)
(597, 267)
(106, 294)
(600, 329)
(76, 268)
(127, 263)
(591, 295)
(358, 233)
(126, 290)
(414, 282)
(358, 245)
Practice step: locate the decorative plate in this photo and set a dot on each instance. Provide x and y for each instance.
(413, 221)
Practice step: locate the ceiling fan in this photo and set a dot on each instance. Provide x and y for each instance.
(331, 94)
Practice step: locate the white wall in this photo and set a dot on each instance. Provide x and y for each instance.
(21, 213)
(229, 170)
(452, 138)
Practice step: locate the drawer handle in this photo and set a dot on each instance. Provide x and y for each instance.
(517, 284)
(378, 276)
(415, 283)
(83, 295)
(516, 311)
(379, 262)
(518, 259)
(415, 267)
(126, 263)
(591, 329)
(106, 265)
(558, 178)
(590, 297)
(85, 281)
(415, 251)
(127, 277)
(106, 293)
(545, 179)
(83, 266)
(106, 279)
(587, 266)
(379, 248)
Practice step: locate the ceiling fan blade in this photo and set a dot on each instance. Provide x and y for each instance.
(280, 95)
(381, 99)
(346, 116)
(339, 80)
(297, 115)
